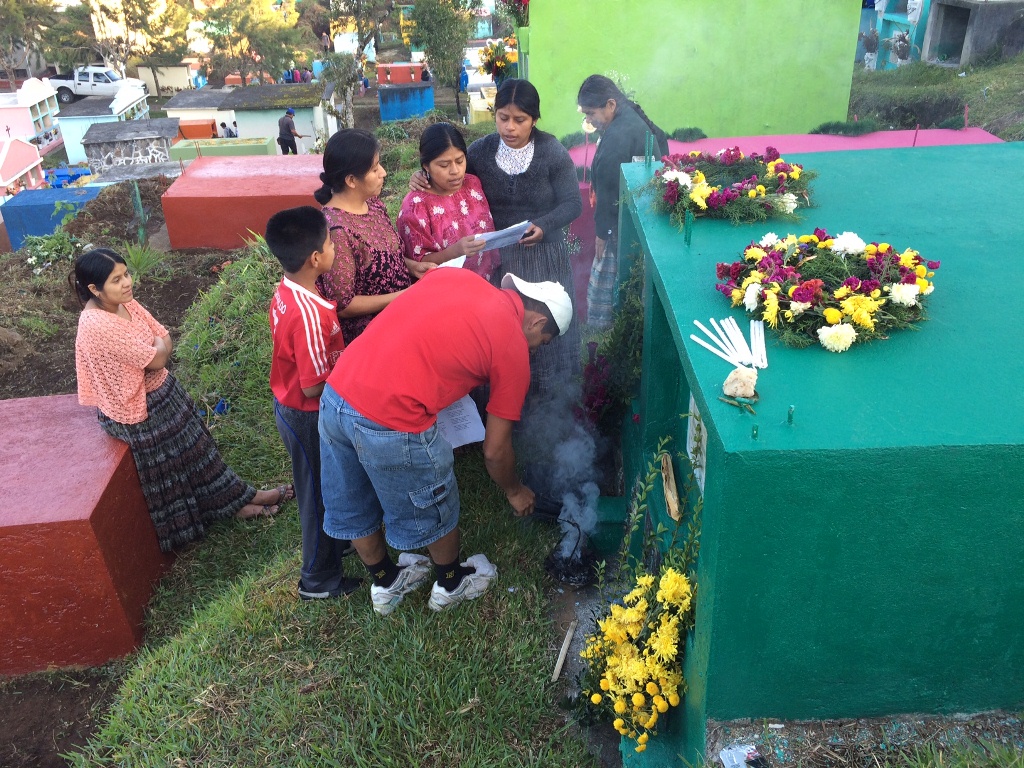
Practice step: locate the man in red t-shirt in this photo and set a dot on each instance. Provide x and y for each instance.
(384, 460)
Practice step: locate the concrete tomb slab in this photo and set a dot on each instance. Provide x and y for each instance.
(80, 553)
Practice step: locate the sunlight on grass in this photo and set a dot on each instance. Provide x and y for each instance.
(237, 671)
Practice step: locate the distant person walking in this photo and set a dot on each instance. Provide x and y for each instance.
(286, 133)
(325, 41)
(227, 133)
(624, 128)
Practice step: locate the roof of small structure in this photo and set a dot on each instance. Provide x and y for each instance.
(90, 106)
(275, 98)
(16, 157)
(203, 98)
(131, 130)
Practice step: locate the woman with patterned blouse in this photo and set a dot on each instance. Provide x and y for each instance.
(441, 224)
(370, 268)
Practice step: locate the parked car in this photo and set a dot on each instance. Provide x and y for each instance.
(94, 80)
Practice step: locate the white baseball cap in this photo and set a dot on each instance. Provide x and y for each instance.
(551, 294)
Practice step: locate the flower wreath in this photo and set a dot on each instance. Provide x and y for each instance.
(836, 290)
(730, 185)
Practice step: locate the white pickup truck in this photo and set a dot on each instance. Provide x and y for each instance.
(94, 80)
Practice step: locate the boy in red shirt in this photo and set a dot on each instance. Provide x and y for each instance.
(307, 344)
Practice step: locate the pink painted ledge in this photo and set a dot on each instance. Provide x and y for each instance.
(812, 142)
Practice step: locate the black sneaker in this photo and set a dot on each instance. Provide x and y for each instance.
(347, 587)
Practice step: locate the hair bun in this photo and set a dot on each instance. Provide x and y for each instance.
(323, 177)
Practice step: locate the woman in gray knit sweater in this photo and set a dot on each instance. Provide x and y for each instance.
(527, 175)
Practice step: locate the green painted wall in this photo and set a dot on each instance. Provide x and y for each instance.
(864, 560)
(732, 68)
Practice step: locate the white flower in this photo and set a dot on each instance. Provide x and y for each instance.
(407, 230)
(437, 210)
(482, 224)
(464, 207)
(455, 226)
(681, 176)
(588, 127)
(848, 244)
(423, 223)
(475, 195)
(751, 296)
(799, 307)
(928, 290)
(768, 240)
(417, 199)
(786, 203)
(837, 338)
(903, 294)
(418, 250)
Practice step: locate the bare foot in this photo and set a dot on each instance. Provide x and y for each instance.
(273, 496)
(266, 503)
(249, 511)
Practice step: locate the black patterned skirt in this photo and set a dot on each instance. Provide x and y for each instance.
(186, 483)
(553, 365)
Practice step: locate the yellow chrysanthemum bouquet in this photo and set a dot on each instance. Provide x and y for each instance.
(634, 656)
(638, 653)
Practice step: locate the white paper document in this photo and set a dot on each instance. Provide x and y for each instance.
(503, 237)
(460, 423)
(458, 261)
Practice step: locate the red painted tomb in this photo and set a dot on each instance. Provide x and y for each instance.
(80, 555)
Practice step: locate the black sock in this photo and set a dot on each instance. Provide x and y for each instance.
(450, 576)
(383, 573)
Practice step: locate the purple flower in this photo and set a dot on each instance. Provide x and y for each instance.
(932, 264)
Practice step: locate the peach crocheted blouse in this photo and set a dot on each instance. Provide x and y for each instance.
(111, 355)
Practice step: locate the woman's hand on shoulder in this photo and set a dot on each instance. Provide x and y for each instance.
(418, 182)
(532, 236)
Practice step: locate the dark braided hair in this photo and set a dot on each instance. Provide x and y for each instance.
(349, 152)
(598, 89)
(92, 268)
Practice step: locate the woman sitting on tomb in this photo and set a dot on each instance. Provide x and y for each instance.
(370, 268)
(624, 128)
(441, 224)
(121, 356)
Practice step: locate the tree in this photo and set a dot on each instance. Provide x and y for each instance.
(368, 16)
(21, 26)
(344, 72)
(120, 29)
(70, 40)
(166, 39)
(443, 28)
(250, 37)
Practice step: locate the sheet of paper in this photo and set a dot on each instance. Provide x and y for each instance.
(460, 423)
(458, 261)
(501, 238)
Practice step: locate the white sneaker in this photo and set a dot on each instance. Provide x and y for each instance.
(413, 571)
(470, 588)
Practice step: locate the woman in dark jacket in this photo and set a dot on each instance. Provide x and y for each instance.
(624, 128)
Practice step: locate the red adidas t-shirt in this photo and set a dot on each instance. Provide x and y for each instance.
(448, 333)
(307, 343)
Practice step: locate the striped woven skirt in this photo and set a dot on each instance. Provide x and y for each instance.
(555, 364)
(185, 481)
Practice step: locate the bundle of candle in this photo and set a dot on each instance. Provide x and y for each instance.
(727, 342)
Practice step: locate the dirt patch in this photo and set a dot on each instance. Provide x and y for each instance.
(110, 219)
(863, 743)
(45, 716)
(39, 317)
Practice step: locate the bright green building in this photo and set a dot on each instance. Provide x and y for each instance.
(732, 68)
